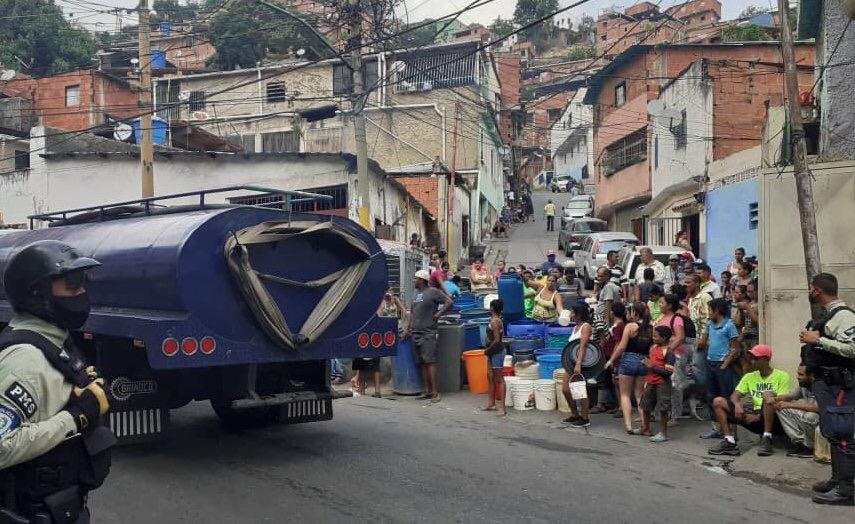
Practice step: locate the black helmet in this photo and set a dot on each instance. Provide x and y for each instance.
(32, 267)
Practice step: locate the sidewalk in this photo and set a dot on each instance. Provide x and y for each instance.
(784, 473)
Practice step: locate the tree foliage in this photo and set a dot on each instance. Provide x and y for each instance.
(36, 37)
(752, 10)
(246, 32)
(416, 35)
(501, 26)
(745, 33)
(172, 11)
(527, 11)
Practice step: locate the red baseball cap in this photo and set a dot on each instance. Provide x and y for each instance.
(761, 351)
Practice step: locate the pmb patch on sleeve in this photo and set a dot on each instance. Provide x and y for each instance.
(9, 421)
(849, 332)
(22, 398)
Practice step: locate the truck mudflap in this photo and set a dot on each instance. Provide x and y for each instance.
(291, 399)
(133, 426)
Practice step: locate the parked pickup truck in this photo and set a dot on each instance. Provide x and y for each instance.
(243, 306)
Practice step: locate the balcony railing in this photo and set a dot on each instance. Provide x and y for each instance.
(626, 152)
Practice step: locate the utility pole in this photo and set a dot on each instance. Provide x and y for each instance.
(804, 187)
(358, 103)
(449, 230)
(146, 148)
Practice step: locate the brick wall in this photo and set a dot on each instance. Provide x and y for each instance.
(425, 189)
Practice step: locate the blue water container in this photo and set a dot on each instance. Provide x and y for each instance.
(510, 287)
(482, 325)
(461, 303)
(473, 336)
(159, 131)
(555, 329)
(556, 342)
(406, 373)
(158, 59)
(549, 362)
(526, 328)
(473, 313)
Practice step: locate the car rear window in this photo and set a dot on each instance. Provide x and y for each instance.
(610, 245)
(589, 227)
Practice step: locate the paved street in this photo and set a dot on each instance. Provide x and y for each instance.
(401, 460)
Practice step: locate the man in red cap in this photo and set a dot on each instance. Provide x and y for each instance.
(758, 389)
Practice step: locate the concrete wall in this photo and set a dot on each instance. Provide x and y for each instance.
(783, 285)
(727, 223)
(837, 133)
(577, 118)
(673, 162)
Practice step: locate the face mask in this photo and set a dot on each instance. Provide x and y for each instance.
(71, 312)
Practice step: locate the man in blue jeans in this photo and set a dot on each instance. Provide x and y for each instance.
(722, 342)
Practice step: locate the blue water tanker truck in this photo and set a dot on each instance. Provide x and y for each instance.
(240, 305)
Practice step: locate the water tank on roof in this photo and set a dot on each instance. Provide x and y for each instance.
(158, 59)
(159, 131)
(165, 28)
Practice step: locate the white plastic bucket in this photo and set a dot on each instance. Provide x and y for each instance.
(524, 394)
(528, 370)
(510, 382)
(578, 388)
(544, 395)
(509, 361)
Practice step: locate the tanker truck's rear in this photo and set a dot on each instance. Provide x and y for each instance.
(240, 305)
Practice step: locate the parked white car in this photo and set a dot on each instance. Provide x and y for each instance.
(559, 183)
(592, 252)
(579, 206)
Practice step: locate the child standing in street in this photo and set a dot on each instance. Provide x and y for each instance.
(495, 351)
(657, 392)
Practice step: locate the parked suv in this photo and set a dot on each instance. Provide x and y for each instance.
(559, 183)
(593, 249)
(575, 230)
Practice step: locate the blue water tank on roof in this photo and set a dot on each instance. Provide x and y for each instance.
(159, 131)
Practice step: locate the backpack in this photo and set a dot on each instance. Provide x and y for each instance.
(689, 328)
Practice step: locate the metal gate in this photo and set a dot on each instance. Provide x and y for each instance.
(661, 231)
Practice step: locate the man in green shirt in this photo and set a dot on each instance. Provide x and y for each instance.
(760, 386)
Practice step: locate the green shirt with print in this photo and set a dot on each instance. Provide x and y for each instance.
(753, 385)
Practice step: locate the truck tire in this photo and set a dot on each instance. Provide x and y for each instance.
(244, 418)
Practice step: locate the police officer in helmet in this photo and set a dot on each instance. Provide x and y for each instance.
(829, 354)
(53, 449)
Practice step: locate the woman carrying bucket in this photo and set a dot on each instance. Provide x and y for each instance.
(547, 303)
(581, 332)
(495, 351)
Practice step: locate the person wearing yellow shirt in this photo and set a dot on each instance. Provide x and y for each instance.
(549, 211)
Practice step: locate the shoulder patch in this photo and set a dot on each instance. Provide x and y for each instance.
(849, 332)
(9, 421)
(22, 398)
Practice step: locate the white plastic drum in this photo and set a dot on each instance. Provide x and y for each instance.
(524, 395)
(558, 377)
(510, 382)
(544, 394)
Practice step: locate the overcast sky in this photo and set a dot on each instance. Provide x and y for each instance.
(87, 12)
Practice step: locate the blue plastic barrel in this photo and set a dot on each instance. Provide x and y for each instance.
(510, 288)
(555, 329)
(473, 313)
(473, 336)
(549, 362)
(459, 304)
(526, 342)
(158, 59)
(526, 328)
(482, 324)
(556, 342)
(159, 131)
(405, 372)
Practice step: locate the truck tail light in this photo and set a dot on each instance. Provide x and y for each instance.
(376, 340)
(189, 346)
(169, 347)
(389, 338)
(207, 345)
(363, 340)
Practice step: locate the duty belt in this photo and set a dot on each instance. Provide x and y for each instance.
(837, 376)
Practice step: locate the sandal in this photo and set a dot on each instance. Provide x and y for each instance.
(377, 395)
(642, 432)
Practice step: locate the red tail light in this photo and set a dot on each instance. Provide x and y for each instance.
(574, 239)
(376, 340)
(169, 347)
(189, 346)
(363, 340)
(207, 345)
(389, 338)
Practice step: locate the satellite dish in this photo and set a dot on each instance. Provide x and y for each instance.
(184, 96)
(301, 52)
(123, 132)
(199, 115)
(656, 107)
(7, 74)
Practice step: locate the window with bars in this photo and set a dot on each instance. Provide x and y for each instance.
(625, 152)
(280, 142)
(197, 100)
(753, 215)
(343, 78)
(436, 71)
(620, 94)
(72, 96)
(276, 92)
(168, 100)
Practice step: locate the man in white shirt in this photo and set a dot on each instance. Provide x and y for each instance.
(708, 285)
(647, 261)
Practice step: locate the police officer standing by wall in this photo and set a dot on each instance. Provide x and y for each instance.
(53, 449)
(829, 354)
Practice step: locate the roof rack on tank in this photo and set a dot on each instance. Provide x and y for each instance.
(152, 205)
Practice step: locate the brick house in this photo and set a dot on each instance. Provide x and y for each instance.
(742, 80)
(77, 100)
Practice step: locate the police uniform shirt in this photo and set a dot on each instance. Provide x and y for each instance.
(33, 396)
(838, 337)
